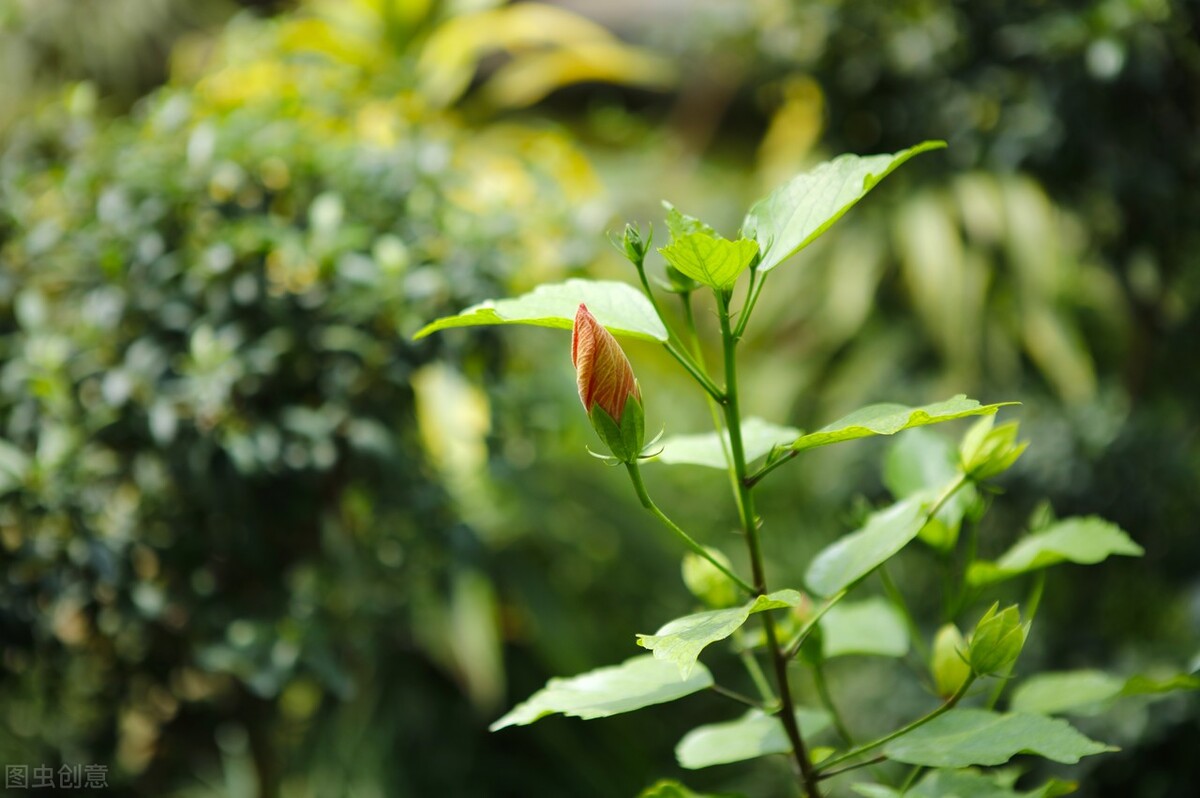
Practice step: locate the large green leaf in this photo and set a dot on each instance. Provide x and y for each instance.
(618, 306)
(963, 737)
(711, 260)
(872, 627)
(638, 682)
(796, 213)
(704, 449)
(853, 556)
(1085, 540)
(753, 735)
(680, 641)
(1086, 692)
(888, 419)
(969, 783)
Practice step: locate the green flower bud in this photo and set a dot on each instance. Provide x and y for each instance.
(987, 451)
(998, 640)
(948, 667)
(607, 387)
(707, 583)
(632, 245)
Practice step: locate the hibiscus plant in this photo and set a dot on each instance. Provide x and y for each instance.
(954, 747)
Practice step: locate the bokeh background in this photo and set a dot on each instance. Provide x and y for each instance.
(255, 541)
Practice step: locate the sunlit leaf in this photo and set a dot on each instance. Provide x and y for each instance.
(1085, 540)
(680, 641)
(669, 788)
(704, 449)
(963, 737)
(853, 556)
(618, 306)
(753, 735)
(799, 211)
(888, 419)
(714, 261)
(871, 627)
(638, 682)
(920, 461)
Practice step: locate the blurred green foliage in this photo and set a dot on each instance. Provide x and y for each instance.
(254, 540)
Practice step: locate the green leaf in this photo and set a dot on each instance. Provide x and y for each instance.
(704, 449)
(14, 466)
(853, 556)
(618, 306)
(918, 462)
(870, 627)
(638, 682)
(888, 419)
(968, 783)
(711, 260)
(680, 641)
(1085, 540)
(963, 737)
(798, 212)
(680, 224)
(1087, 692)
(753, 735)
(1053, 693)
(669, 788)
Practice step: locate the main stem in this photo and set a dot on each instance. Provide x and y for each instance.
(745, 501)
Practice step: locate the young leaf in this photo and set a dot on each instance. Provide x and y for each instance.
(716, 262)
(963, 737)
(888, 419)
(969, 783)
(799, 211)
(680, 224)
(753, 735)
(669, 788)
(680, 641)
(704, 449)
(619, 307)
(854, 556)
(638, 682)
(870, 627)
(1085, 540)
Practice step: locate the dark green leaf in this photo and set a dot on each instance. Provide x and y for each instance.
(799, 211)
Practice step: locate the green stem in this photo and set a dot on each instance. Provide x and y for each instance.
(866, 763)
(757, 280)
(635, 474)
(793, 648)
(903, 730)
(736, 696)
(757, 476)
(1032, 602)
(757, 676)
(827, 700)
(745, 500)
(914, 631)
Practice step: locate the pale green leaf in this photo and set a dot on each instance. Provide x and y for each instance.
(711, 260)
(704, 449)
(1086, 692)
(963, 737)
(681, 224)
(753, 735)
(680, 641)
(669, 788)
(871, 627)
(638, 682)
(798, 212)
(853, 556)
(618, 306)
(1086, 540)
(918, 462)
(888, 419)
(968, 783)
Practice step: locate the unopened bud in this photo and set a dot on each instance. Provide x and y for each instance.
(706, 582)
(607, 387)
(997, 640)
(987, 451)
(949, 667)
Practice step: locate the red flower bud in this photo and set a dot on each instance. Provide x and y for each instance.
(605, 376)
